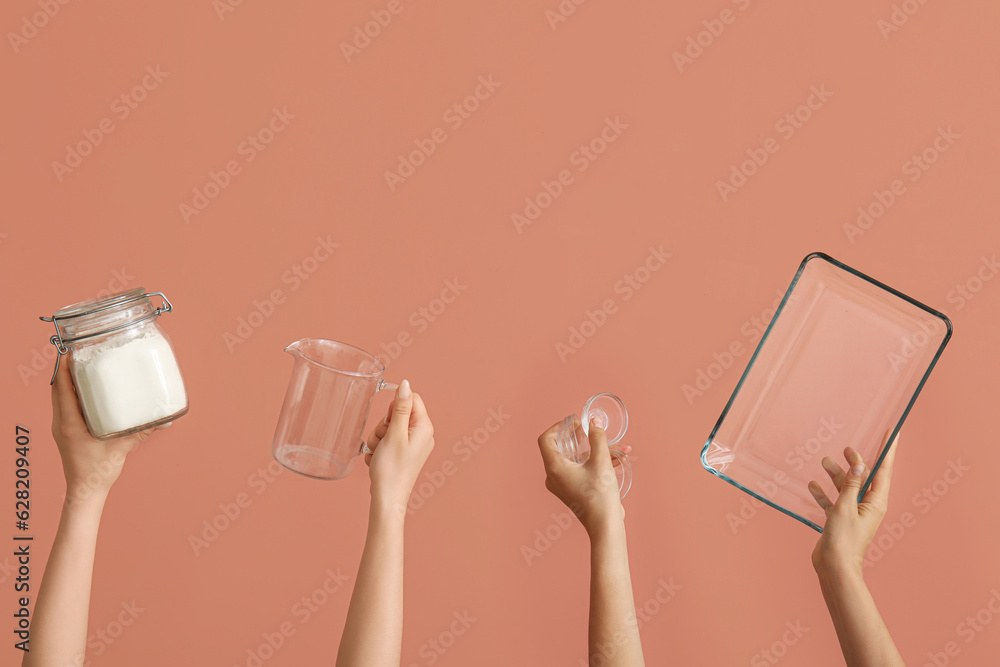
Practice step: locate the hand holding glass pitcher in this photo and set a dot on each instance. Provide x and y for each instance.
(398, 447)
(326, 407)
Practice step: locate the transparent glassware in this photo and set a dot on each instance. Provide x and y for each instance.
(124, 369)
(320, 429)
(605, 411)
(840, 364)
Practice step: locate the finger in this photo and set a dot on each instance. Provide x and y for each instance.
(64, 396)
(377, 434)
(54, 392)
(834, 470)
(551, 456)
(819, 495)
(882, 479)
(851, 487)
(581, 437)
(374, 438)
(624, 450)
(852, 456)
(599, 450)
(418, 414)
(399, 421)
(142, 435)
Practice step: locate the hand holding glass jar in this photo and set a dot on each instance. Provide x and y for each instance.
(122, 363)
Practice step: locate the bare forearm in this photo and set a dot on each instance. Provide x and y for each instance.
(373, 632)
(614, 633)
(59, 623)
(864, 637)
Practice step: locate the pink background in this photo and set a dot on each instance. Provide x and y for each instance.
(67, 235)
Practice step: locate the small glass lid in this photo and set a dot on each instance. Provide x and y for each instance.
(605, 411)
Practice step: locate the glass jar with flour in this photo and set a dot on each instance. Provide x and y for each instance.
(122, 363)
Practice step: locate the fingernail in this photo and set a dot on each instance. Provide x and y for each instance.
(404, 389)
(857, 469)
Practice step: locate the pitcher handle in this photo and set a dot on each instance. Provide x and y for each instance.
(382, 385)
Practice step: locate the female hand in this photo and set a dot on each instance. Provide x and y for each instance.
(850, 526)
(91, 466)
(590, 488)
(399, 446)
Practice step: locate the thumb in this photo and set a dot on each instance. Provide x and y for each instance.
(599, 452)
(399, 422)
(851, 487)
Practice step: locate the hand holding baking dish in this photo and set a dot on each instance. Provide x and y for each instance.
(840, 364)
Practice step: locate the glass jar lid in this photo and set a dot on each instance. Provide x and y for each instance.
(100, 316)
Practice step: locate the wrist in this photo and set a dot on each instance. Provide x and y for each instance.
(605, 526)
(95, 485)
(388, 506)
(89, 506)
(837, 570)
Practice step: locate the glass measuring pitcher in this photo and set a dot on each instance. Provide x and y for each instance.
(321, 427)
(605, 411)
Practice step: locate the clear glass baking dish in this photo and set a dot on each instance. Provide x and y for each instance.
(841, 363)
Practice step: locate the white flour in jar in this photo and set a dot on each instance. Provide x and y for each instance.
(122, 386)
